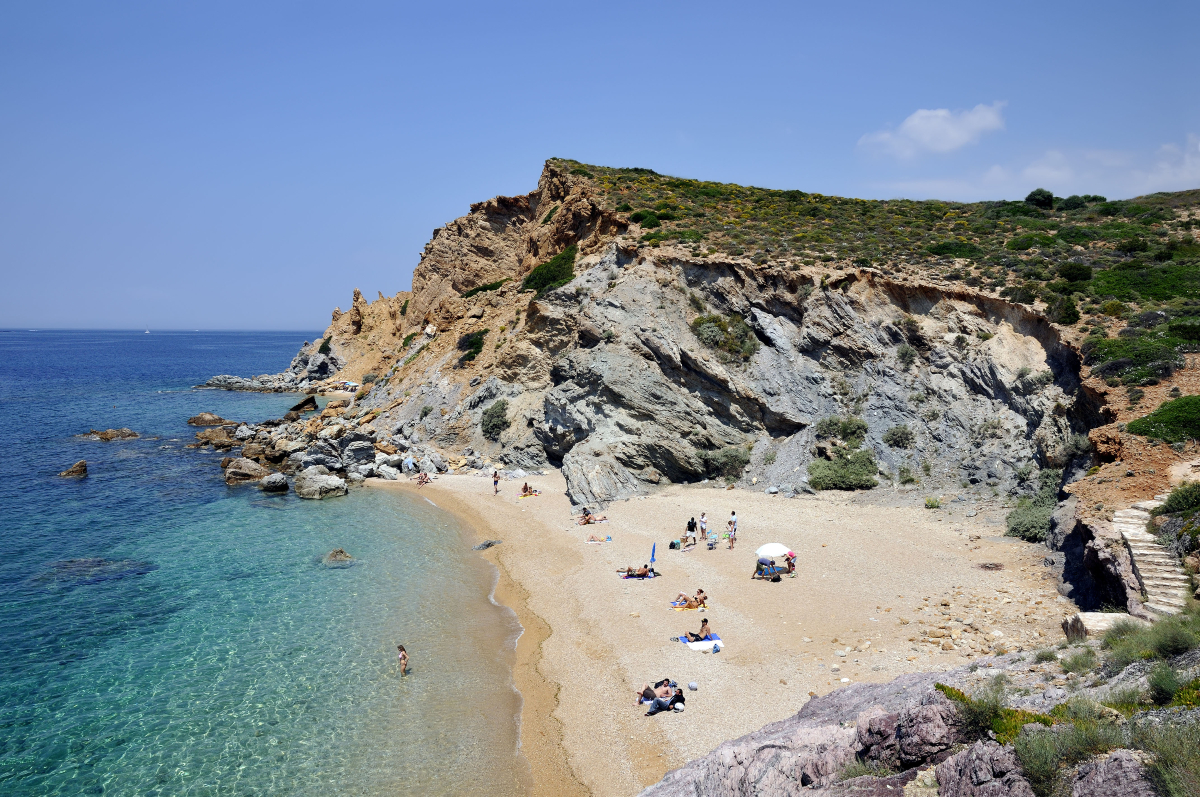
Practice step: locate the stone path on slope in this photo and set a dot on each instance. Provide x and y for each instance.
(1163, 579)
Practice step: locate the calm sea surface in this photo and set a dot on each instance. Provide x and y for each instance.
(200, 647)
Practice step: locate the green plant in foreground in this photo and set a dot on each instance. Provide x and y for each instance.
(1184, 498)
(1163, 683)
(1175, 768)
(1045, 655)
(1082, 662)
(494, 420)
(932, 503)
(858, 769)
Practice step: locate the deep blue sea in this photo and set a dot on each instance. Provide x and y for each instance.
(164, 634)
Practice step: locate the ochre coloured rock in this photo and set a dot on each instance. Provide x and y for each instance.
(242, 470)
(207, 419)
(78, 469)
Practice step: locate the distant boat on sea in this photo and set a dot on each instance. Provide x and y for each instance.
(147, 332)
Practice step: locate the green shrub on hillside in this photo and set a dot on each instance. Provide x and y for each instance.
(850, 429)
(1040, 198)
(554, 273)
(728, 462)
(899, 437)
(1030, 519)
(847, 471)
(471, 344)
(408, 339)
(964, 249)
(494, 420)
(1175, 421)
(324, 347)
(491, 286)
(404, 308)
(1022, 242)
(730, 335)
(1184, 498)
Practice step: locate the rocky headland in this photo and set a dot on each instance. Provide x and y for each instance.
(559, 330)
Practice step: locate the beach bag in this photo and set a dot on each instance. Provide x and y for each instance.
(776, 578)
(674, 545)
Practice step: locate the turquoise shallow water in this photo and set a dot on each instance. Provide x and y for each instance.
(203, 648)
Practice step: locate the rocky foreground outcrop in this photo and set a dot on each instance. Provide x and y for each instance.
(611, 378)
(908, 727)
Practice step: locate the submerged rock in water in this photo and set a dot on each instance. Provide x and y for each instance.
(208, 419)
(77, 572)
(78, 469)
(109, 435)
(274, 483)
(309, 403)
(483, 546)
(338, 558)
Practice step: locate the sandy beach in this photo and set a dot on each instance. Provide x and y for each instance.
(883, 586)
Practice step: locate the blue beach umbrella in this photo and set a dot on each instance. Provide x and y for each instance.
(653, 548)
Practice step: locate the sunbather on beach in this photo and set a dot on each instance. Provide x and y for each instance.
(665, 703)
(691, 601)
(648, 692)
(594, 538)
(526, 490)
(423, 480)
(641, 572)
(589, 519)
(704, 635)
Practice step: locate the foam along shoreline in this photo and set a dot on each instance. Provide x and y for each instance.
(855, 611)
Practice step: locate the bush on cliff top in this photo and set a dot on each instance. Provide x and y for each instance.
(554, 273)
(1174, 421)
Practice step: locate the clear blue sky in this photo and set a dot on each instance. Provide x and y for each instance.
(247, 165)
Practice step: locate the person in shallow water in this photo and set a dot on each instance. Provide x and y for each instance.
(402, 654)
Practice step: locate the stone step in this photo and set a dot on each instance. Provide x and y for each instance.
(1162, 581)
(1166, 598)
(1166, 611)
(1146, 506)
(1094, 624)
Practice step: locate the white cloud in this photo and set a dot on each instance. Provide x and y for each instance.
(939, 130)
(1113, 173)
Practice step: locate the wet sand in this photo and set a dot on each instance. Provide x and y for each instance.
(864, 573)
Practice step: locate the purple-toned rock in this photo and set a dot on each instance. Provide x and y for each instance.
(985, 769)
(1122, 774)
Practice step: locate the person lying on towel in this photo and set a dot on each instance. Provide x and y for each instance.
(649, 693)
(642, 572)
(705, 634)
(665, 703)
(691, 602)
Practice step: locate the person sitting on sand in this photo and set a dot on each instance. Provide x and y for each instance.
(423, 480)
(527, 491)
(704, 635)
(665, 703)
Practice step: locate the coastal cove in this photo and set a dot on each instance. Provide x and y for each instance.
(167, 634)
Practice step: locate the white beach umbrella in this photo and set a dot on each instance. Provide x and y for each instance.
(773, 549)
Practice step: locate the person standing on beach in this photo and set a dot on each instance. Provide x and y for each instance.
(496, 482)
(703, 524)
(403, 656)
(732, 529)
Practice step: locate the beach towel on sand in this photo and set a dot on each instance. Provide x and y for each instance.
(707, 645)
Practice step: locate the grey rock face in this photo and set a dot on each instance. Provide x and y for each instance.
(985, 769)
(274, 483)
(317, 486)
(387, 472)
(358, 452)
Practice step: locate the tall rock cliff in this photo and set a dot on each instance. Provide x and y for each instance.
(657, 361)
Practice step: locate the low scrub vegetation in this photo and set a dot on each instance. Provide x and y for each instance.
(1176, 421)
(728, 462)
(731, 336)
(554, 273)
(1030, 519)
(471, 345)
(848, 467)
(1127, 642)
(491, 286)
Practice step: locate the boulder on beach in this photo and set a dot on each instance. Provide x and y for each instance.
(208, 419)
(78, 469)
(274, 483)
(109, 435)
(243, 470)
(313, 484)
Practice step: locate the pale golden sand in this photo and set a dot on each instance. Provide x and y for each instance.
(592, 638)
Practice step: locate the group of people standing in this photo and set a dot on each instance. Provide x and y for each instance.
(700, 529)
